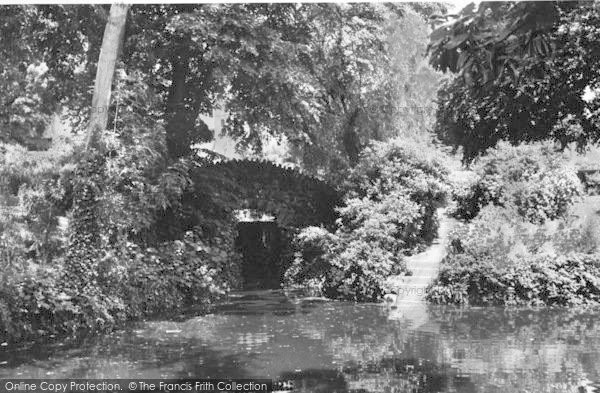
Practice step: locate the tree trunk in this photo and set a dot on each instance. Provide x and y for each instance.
(350, 138)
(180, 118)
(85, 228)
(109, 52)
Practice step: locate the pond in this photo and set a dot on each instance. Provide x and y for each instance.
(330, 346)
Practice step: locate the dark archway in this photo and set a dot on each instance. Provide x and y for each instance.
(219, 190)
(261, 244)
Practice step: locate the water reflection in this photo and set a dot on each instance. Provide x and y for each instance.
(333, 347)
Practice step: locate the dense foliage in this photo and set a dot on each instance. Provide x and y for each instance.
(91, 220)
(141, 222)
(390, 210)
(328, 77)
(535, 179)
(220, 189)
(159, 236)
(81, 260)
(499, 259)
(131, 282)
(528, 72)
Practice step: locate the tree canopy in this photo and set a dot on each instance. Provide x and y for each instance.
(522, 69)
(328, 77)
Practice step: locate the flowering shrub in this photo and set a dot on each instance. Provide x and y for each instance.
(532, 177)
(500, 258)
(389, 211)
(548, 196)
(572, 279)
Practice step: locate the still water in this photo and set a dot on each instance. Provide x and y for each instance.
(330, 347)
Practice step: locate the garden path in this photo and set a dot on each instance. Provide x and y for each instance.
(410, 302)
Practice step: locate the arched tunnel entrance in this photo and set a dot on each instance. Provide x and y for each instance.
(219, 191)
(262, 243)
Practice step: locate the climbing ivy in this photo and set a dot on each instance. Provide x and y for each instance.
(84, 239)
(220, 189)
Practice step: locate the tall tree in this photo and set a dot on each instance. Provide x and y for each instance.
(317, 73)
(82, 258)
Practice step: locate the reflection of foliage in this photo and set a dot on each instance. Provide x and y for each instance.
(516, 346)
(476, 349)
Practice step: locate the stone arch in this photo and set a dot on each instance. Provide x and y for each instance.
(221, 189)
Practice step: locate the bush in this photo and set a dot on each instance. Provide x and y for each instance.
(404, 168)
(35, 301)
(168, 277)
(390, 211)
(533, 177)
(548, 280)
(501, 259)
(132, 282)
(35, 189)
(367, 247)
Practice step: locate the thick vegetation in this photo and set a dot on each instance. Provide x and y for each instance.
(121, 226)
(521, 244)
(390, 211)
(48, 287)
(327, 77)
(525, 72)
(533, 179)
(523, 69)
(500, 259)
(135, 221)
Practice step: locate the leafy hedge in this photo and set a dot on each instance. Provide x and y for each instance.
(501, 259)
(390, 211)
(550, 280)
(534, 178)
(132, 282)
